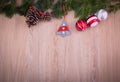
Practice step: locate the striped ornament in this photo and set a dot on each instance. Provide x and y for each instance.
(81, 25)
(92, 21)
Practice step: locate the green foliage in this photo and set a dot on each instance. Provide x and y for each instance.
(57, 9)
(82, 8)
(45, 4)
(24, 7)
(114, 7)
(7, 7)
(9, 10)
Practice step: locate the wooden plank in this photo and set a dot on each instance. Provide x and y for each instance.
(38, 55)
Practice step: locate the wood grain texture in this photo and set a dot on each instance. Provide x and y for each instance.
(38, 55)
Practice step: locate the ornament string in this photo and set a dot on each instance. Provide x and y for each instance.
(64, 10)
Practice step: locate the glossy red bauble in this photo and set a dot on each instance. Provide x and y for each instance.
(30, 7)
(40, 12)
(81, 25)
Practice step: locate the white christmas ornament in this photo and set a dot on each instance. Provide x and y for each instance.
(102, 14)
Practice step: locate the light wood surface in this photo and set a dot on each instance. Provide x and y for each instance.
(38, 55)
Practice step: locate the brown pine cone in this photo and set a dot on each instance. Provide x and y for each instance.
(47, 16)
(32, 17)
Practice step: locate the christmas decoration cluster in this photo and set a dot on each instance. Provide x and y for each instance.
(35, 11)
(81, 25)
(92, 20)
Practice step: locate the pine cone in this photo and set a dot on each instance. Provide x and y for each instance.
(47, 16)
(32, 17)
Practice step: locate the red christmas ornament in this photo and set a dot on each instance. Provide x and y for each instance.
(40, 12)
(81, 25)
(30, 7)
(63, 30)
(92, 21)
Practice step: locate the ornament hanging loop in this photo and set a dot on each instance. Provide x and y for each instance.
(64, 10)
(63, 29)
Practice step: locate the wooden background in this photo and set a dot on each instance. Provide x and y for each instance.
(38, 55)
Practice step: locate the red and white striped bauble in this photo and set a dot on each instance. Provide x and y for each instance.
(92, 21)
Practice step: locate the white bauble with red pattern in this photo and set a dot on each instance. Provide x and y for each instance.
(92, 21)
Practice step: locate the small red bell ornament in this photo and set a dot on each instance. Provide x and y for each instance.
(63, 29)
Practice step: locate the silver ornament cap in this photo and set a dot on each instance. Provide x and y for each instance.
(63, 23)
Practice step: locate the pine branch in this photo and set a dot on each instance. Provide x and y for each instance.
(22, 10)
(82, 8)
